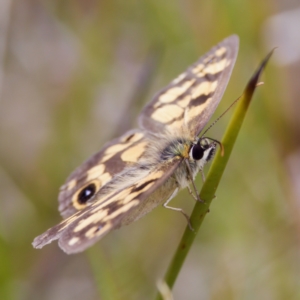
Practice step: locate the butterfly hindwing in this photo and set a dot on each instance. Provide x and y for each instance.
(191, 98)
(84, 228)
(113, 158)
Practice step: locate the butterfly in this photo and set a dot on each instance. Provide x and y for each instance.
(145, 167)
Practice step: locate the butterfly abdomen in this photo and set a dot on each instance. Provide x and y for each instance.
(159, 197)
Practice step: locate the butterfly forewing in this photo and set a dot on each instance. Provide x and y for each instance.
(87, 226)
(113, 158)
(191, 99)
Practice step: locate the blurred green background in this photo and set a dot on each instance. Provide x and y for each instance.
(72, 71)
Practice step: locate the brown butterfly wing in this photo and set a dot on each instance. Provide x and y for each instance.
(87, 226)
(190, 100)
(113, 158)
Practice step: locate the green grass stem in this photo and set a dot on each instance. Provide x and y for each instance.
(215, 173)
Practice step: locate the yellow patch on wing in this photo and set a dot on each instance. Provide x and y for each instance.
(152, 176)
(184, 101)
(132, 154)
(126, 141)
(78, 205)
(73, 241)
(173, 93)
(115, 148)
(220, 51)
(107, 157)
(124, 208)
(204, 88)
(91, 232)
(106, 227)
(135, 194)
(167, 113)
(178, 124)
(95, 172)
(214, 68)
(111, 151)
(195, 111)
(198, 70)
(105, 177)
(94, 218)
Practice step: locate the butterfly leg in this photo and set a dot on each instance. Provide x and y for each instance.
(178, 209)
(203, 176)
(191, 193)
(193, 184)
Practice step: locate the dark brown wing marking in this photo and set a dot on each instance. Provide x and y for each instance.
(191, 99)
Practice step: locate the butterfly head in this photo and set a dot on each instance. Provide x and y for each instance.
(203, 150)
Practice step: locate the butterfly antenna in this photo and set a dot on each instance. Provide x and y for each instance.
(233, 103)
(215, 121)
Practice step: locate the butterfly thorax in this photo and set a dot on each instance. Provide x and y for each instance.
(197, 152)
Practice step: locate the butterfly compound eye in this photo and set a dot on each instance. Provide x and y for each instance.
(197, 152)
(87, 193)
